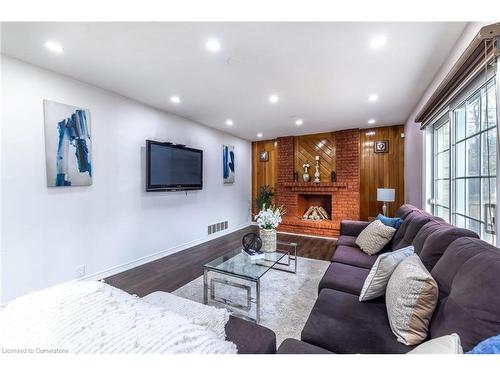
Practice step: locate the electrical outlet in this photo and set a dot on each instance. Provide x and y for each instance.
(80, 270)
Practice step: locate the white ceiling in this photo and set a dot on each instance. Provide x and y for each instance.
(322, 72)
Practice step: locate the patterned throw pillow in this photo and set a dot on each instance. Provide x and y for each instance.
(374, 237)
(376, 281)
(411, 298)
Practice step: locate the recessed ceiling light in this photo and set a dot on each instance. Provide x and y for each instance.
(229, 122)
(373, 98)
(378, 41)
(175, 99)
(212, 45)
(371, 121)
(259, 135)
(53, 46)
(299, 122)
(274, 98)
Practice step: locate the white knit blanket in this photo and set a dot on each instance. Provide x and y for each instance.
(93, 317)
(214, 319)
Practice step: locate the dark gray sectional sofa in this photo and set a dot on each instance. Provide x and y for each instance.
(249, 337)
(466, 269)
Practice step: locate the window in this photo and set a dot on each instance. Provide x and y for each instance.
(441, 176)
(464, 161)
(475, 146)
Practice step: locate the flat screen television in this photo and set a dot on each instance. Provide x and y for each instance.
(173, 167)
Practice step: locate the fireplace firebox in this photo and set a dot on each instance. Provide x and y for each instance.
(316, 201)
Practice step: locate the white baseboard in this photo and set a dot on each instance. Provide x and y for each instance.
(160, 254)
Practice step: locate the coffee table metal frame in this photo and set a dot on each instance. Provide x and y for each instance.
(290, 255)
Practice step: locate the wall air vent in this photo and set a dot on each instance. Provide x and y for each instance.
(214, 228)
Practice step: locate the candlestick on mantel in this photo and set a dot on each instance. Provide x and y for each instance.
(316, 175)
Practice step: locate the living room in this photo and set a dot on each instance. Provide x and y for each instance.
(250, 187)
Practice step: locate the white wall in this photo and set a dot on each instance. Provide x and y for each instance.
(414, 137)
(48, 232)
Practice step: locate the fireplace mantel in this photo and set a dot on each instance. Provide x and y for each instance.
(309, 187)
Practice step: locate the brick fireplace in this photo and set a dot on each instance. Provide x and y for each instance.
(340, 198)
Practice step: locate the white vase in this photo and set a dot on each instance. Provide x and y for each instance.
(269, 238)
(305, 177)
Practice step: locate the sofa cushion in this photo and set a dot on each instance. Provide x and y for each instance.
(376, 281)
(374, 237)
(352, 227)
(249, 337)
(411, 298)
(344, 277)
(423, 233)
(468, 276)
(340, 323)
(409, 229)
(403, 211)
(347, 241)
(353, 256)
(439, 240)
(293, 346)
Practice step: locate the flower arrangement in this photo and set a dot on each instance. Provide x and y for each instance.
(306, 166)
(269, 218)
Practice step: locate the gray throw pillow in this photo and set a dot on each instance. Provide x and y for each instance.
(374, 237)
(411, 298)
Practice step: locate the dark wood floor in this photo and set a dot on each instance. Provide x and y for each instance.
(173, 271)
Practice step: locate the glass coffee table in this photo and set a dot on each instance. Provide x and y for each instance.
(238, 272)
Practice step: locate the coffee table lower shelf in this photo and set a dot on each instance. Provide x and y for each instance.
(229, 279)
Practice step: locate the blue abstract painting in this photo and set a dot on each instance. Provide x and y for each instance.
(67, 145)
(228, 164)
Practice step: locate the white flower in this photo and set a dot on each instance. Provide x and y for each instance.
(268, 218)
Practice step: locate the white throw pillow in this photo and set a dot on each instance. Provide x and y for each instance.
(382, 269)
(449, 344)
(374, 237)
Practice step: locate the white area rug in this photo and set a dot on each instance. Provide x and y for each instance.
(286, 298)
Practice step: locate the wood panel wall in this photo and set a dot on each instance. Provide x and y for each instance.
(307, 147)
(263, 173)
(381, 170)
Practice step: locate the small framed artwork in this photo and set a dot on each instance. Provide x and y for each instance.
(264, 156)
(381, 146)
(228, 164)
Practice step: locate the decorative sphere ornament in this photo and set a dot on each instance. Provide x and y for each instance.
(251, 241)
